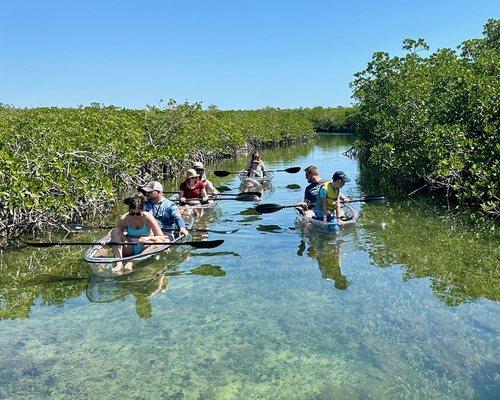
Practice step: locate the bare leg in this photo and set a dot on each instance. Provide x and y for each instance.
(309, 213)
(117, 236)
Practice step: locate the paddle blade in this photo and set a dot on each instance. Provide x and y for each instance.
(42, 245)
(222, 174)
(375, 199)
(223, 188)
(83, 228)
(268, 208)
(245, 197)
(206, 244)
(292, 170)
(241, 194)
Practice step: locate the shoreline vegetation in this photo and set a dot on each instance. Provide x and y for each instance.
(430, 122)
(69, 164)
(423, 124)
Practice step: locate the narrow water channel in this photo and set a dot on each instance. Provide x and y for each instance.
(404, 305)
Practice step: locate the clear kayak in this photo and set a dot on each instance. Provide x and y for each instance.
(255, 181)
(197, 208)
(350, 218)
(101, 259)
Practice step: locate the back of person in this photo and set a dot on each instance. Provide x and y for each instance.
(311, 192)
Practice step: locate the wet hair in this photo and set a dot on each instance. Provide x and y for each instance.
(312, 169)
(255, 154)
(136, 202)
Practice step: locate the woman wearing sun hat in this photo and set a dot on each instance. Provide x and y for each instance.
(192, 190)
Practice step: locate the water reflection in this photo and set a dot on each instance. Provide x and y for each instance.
(328, 256)
(462, 264)
(104, 290)
(142, 288)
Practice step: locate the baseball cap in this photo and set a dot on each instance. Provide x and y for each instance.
(151, 186)
(340, 176)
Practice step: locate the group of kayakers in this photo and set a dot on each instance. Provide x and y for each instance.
(152, 217)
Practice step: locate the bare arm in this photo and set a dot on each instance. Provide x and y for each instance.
(157, 234)
(203, 194)
(325, 210)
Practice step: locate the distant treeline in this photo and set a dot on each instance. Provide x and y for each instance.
(67, 163)
(433, 122)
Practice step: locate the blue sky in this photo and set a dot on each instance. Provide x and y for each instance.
(235, 54)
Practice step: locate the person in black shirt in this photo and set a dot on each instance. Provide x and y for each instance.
(311, 191)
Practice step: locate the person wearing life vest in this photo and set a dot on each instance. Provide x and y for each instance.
(329, 198)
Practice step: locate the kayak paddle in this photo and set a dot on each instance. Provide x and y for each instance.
(270, 207)
(77, 228)
(205, 244)
(291, 170)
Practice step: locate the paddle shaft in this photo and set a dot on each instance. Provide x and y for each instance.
(82, 228)
(207, 244)
(270, 208)
(291, 170)
(226, 194)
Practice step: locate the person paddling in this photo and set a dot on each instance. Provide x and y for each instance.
(256, 167)
(164, 211)
(192, 190)
(311, 191)
(329, 198)
(209, 186)
(137, 227)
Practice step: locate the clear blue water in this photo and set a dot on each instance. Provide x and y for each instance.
(402, 306)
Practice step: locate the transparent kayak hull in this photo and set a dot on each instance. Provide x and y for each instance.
(334, 227)
(102, 261)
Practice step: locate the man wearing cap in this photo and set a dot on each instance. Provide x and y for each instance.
(329, 197)
(165, 212)
(209, 186)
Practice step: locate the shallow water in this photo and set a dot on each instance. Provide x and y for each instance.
(404, 305)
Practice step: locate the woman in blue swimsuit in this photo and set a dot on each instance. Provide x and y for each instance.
(137, 227)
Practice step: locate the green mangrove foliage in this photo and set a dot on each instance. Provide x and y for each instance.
(435, 120)
(60, 164)
(339, 119)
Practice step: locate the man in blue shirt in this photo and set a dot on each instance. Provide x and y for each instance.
(165, 212)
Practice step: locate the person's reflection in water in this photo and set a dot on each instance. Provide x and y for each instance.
(328, 257)
(144, 294)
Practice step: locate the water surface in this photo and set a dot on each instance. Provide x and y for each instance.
(405, 305)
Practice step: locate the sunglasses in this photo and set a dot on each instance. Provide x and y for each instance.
(135, 213)
(193, 177)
